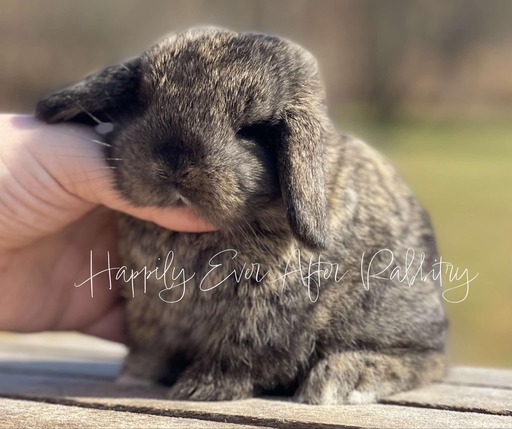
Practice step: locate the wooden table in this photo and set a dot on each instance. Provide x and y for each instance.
(65, 381)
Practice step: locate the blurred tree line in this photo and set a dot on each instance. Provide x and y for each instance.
(436, 57)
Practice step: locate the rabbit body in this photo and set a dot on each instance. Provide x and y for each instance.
(296, 291)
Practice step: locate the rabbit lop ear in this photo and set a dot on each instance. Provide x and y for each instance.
(301, 166)
(100, 95)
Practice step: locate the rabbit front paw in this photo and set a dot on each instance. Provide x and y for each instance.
(197, 385)
(361, 377)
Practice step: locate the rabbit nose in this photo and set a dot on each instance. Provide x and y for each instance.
(171, 154)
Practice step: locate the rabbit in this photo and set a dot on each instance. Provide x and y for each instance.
(235, 127)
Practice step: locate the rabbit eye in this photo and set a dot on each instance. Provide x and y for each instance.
(262, 133)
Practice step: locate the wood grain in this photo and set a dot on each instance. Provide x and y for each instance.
(64, 380)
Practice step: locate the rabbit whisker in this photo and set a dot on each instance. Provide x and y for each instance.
(94, 118)
(69, 155)
(101, 143)
(73, 134)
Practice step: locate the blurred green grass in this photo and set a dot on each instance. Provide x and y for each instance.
(462, 174)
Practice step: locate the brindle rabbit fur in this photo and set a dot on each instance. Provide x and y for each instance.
(235, 126)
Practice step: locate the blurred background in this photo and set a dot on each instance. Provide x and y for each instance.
(427, 82)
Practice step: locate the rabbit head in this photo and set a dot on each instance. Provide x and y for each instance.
(231, 124)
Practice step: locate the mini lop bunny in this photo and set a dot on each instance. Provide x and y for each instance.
(234, 126)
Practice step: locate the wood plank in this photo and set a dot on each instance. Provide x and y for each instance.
(452, 397)
(287, 414)
(75, 369)
(48, 387)
(61, 345)
(471, 376)
(442, 396)
(28, 414)
(60, 354)
(266, 412)
(100, 370)
(81, 349)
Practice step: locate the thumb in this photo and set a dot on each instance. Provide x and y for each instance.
(72, 158)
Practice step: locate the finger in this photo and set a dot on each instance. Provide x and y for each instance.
(76, 162)
(175, 218)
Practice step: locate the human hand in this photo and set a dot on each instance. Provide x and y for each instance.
(57, 204)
